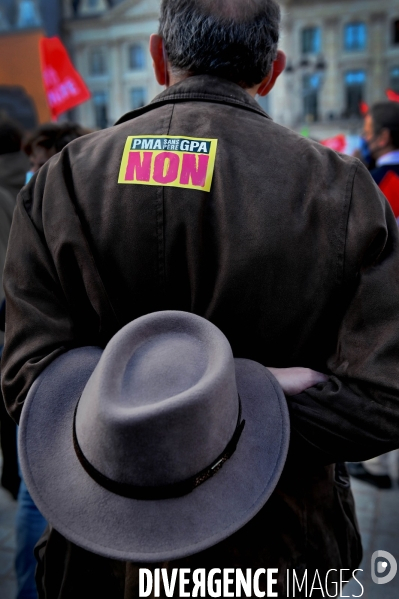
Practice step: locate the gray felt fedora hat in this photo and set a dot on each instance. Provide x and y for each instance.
(157, 447)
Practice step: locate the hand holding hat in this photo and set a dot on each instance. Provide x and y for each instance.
(297, 379)
(158, 447)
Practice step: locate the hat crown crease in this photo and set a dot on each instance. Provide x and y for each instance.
(161, 405)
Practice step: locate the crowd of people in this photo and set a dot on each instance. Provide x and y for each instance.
(381, 142)
(22, 154)
(287, 247)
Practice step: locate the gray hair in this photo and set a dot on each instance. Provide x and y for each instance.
(233, 39)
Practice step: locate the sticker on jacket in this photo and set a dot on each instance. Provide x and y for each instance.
(171, 161)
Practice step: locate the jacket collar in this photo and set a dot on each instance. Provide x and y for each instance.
(200, 88)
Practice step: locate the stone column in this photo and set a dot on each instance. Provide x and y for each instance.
(116, 105)
(378, 35)
(84, 112)
(283, 98)
(331, 94)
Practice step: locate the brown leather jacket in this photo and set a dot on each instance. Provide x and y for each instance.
(293, 254)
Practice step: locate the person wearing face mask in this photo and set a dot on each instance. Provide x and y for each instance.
(381, 134)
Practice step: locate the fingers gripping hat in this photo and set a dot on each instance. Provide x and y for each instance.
(156, 448)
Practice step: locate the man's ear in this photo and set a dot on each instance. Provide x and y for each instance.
(278, 67)
(159, 59)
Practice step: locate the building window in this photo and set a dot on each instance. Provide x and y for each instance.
(97, 62)
(311, 40)
(394, 80)
(355, 36)
(75, 7)
(395, 32)
(138, 97)
(136, 57)
(100, 99)
(28, 14)
(311, 87)
(355, 82)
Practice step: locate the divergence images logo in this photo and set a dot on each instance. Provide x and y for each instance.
(383, 563)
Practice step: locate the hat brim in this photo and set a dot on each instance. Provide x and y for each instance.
(147, 530)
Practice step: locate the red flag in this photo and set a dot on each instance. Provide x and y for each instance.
(337, 143)
(393, 96)
(64, 86)
(364, 108)
(390, 188)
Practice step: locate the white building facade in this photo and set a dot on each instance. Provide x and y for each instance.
(341, 55)
(109, 46)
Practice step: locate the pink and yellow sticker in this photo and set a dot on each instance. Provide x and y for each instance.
(170, 161)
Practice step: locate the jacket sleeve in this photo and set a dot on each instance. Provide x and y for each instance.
(38, 323)
(55, 299)
(355, 415)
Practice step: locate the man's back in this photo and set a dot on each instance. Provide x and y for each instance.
(288, 254)
(238, 255)
(262, 255)
(271, 256)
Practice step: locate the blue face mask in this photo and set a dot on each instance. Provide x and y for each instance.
(28, 177)
(365, 151)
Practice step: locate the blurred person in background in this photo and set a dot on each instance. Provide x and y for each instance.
(49, 139)
(43, 143)
(13, 161)
(381, 134)
(13, 167)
